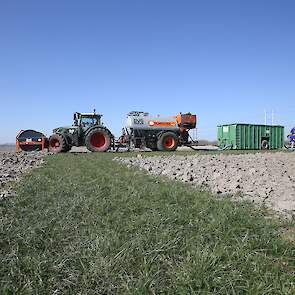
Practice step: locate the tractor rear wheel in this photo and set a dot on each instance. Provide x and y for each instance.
(57, 144)
(98, 140)
(168, 141)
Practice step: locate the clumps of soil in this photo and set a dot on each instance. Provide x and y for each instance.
(12, 166)
(264, 178)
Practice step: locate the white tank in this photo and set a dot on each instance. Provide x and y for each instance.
(142, 120)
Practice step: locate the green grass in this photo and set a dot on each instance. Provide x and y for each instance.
(84, 224)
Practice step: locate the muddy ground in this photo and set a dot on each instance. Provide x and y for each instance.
(12, 166)
(264, 178)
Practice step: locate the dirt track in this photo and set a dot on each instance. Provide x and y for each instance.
(264, 178)
(13, 165)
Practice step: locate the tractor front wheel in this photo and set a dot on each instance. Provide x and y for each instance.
(57, 144)
(168, 141)
(98, 140)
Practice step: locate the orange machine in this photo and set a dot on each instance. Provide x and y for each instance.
(186, 121)
(30, 140)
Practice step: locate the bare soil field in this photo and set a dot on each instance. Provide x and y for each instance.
(13, 165)
(264, 178)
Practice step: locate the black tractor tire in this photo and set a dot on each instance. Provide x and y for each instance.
(168, 141)
(98, 140)
(57, 144)
(264, 144)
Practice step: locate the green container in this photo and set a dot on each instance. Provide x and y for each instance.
(250, 136)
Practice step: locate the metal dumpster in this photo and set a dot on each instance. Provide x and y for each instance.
(250, 136)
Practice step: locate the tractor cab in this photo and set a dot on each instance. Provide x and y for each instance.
(87, 120)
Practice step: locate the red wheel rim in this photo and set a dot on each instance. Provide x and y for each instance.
(169, 142)
(54, 143)
(98, 140)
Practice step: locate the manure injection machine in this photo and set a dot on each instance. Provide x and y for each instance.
(158, 133)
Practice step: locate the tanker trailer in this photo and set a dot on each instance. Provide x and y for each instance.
(163, 133)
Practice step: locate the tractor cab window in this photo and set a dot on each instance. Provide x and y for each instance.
(88, 121)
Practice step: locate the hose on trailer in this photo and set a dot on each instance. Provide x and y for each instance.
(225, 148)
(193, 148)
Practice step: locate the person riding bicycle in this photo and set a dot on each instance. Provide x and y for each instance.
(291, 137)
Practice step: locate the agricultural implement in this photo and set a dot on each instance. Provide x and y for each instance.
(31, 140)
(158, 133)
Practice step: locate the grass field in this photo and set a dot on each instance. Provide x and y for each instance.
(84, 224)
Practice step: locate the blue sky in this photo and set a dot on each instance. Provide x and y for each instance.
(226, 61)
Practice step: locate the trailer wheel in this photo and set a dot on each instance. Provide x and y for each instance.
(168, 141)
(265, 144)
(57, 144)
(98, 140)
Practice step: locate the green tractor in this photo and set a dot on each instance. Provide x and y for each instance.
(87, 130)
